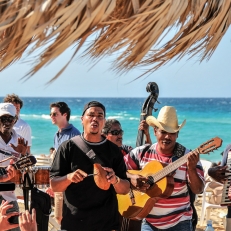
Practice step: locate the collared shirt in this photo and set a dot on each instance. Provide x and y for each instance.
(8, 195)
(65, 134)
(24, 130)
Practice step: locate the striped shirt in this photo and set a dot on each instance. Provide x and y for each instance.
(167, 212)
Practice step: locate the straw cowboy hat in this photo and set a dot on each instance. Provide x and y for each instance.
(166, 120)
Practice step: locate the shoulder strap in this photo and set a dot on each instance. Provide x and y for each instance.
(79, 142)
(178, 150)
(147, 146)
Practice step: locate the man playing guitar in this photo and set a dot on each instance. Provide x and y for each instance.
(173, 212)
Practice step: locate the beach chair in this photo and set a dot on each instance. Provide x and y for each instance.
(206, 164)
(207, 205)
(43, 161)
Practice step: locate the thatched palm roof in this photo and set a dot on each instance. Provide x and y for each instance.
(133, 27)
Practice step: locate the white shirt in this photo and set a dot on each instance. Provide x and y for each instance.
(8, 195)
(24, 130)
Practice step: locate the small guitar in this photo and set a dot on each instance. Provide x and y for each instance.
(136, 204)
(20, 164)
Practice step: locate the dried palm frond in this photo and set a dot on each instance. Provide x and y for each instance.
(134, 27)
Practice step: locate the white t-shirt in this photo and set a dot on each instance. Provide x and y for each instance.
(8, 195)
(24, 130)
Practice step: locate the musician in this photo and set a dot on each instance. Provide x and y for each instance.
(10, 142)
(218, 173)
(21, 126)
(113, 132)
(85, 205)
(174, 212)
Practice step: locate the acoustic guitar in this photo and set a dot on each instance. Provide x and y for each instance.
(136, 204)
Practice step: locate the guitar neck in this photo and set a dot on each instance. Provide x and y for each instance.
(170, 168)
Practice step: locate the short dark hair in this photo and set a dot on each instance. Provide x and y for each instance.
(63, 108)
(108, 125)
(13, 99)
(51, 148)
(94, 104)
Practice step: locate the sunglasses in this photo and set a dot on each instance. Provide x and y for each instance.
(9, 119)
(116, 132)
(53, 114)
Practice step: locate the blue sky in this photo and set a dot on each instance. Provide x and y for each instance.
(187, 78)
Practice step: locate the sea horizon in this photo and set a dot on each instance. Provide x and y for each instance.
(205, 118)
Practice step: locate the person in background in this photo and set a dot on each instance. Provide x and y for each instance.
(11, 144)
(113, 132)
(166, 213)
(21, 126)
(219, 173)
(87, 206)
(60, 115)
(51, 150)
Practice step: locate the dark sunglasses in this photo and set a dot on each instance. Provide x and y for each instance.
(116, 132)
(53, 114)
(9, 119)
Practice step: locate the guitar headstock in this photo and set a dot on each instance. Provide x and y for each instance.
(25, 162)
(210, 145)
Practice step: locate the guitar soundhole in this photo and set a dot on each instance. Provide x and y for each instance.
(150, 180)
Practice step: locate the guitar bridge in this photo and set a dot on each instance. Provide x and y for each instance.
(132, 197)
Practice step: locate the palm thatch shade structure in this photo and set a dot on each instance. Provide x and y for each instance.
(133, 27)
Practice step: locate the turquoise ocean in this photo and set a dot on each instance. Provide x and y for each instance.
(205, 118)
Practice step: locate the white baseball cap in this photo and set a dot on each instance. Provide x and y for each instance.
(7, 109)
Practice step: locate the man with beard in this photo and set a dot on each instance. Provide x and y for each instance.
(174, 212)
(86, 206)
(10, 144)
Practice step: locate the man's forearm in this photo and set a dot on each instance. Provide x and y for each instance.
(59, 184)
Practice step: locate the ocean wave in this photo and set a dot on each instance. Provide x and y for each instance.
(134, 118)
(46, 117)
(115, 117)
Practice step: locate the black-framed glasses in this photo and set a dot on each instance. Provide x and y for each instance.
(53, 114)
(9, 119)
(116, 132)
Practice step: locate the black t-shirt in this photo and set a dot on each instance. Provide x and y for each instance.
(87, 207)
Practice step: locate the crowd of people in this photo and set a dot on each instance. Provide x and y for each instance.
(91, 168)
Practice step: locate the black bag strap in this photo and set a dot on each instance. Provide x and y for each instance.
(79, 142)
(147, 146)
(178, 152)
